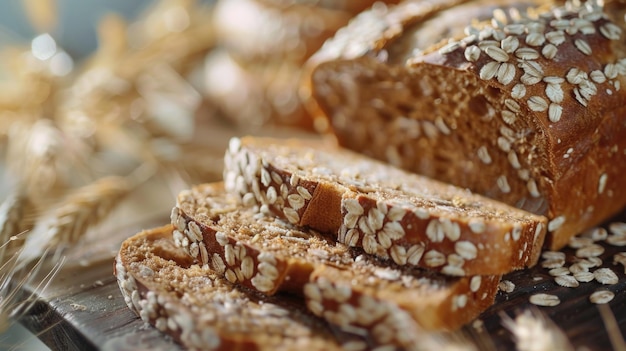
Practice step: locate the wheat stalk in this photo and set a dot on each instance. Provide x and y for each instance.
(532, 331)
(15, 220)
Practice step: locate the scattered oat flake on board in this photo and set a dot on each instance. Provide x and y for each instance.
(601, 297)
(546, 300)
(606, 276)
(506, 286)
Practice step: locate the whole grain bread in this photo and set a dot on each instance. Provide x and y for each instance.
(390, 213)
(521, 102)
(352, 290)
(203, 311)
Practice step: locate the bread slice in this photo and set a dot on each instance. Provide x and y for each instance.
(203, 311)
(522, 105)
(368, 296)
(390, 213)
(247, 247)
(271, 255)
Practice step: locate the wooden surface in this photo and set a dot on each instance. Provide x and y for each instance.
(83, 309)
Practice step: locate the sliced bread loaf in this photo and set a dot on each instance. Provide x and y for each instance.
(516, 100)
(388, 212)
(203, 311)
(268, 254)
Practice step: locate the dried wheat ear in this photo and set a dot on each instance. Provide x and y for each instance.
(522, 103)
(392, 214)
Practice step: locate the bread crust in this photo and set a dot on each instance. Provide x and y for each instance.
(534, 121)
(395, 215)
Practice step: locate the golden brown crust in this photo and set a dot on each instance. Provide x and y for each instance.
(390, 213)
(202, 311)
(524, 107)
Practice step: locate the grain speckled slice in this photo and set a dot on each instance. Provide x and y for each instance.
(203, 311)
(390, 213)
(271, 255)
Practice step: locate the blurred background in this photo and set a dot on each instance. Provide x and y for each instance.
(73, 26)
(72, 23)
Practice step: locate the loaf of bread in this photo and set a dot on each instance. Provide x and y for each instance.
(270, 255)
(388, 212)
(520, 104)
(254, 77)
(202, 311)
